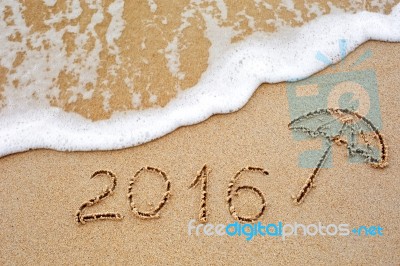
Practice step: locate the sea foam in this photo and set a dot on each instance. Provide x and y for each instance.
(227, 84)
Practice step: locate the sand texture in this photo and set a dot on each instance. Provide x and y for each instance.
(42, 190)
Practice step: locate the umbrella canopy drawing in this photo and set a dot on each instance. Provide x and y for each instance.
(342, 127)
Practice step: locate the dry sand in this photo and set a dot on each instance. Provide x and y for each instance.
(41, 191)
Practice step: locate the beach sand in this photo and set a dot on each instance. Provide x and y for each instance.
(41, 190)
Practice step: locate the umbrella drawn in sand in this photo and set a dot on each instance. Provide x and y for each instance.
(342, 127)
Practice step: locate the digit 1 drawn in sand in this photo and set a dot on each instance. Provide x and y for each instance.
(83, 218)
(202, 175)
(232, 192)
(154, 213)
(341, 126)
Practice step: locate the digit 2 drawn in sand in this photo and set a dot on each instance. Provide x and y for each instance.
(154, 213)
(341, 126)
(202, 175)
(232, 192)
(83, 218)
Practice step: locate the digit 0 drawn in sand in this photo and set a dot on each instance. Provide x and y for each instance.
(202, 175)
(83, 218)
(154, 213)
(233, 192)
(341, 126)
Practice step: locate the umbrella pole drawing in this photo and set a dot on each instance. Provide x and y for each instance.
(347, 118)
(310, 181)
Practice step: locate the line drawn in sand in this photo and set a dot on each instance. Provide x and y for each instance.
(108, 191)
(202, 177)
(234, 193)
(342, 127)
(155, 213)
(348, 87)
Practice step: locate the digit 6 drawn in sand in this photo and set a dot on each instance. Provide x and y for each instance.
(154, 213)
(83, 218)
(202, 175)
(232, 209)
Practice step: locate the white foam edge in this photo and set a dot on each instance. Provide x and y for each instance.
(226, 86)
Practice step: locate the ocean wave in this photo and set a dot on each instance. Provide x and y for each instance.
(234, 72)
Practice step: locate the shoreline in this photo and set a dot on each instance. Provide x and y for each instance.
(42, 190)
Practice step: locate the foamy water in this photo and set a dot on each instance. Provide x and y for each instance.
(29, 120)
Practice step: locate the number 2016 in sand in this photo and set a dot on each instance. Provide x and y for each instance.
(201, 178)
